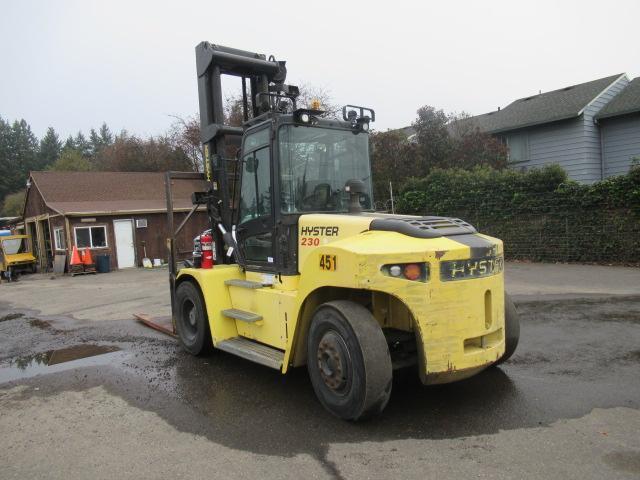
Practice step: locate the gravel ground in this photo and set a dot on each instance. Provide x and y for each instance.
(567, 405)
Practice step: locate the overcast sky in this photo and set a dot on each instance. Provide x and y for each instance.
(74, 64)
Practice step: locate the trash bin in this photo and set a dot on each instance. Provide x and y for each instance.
(103, 263)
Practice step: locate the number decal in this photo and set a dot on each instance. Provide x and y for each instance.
(328, 262)
(309, 241)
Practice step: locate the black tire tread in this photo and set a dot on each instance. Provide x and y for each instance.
(203, 342)
(375, 357)
(512, 329)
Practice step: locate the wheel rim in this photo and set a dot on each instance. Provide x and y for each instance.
(334, 363)
(189, 319)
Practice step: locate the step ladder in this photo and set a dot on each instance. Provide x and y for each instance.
(254, 351)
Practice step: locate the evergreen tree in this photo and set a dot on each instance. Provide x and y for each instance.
(106, 137)
(18, 155)
(100, 140)
(69, 144)
(94, 140)
(82, 145)
(50, 148)
(5, 161)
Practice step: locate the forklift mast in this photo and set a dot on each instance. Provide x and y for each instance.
(263, 90)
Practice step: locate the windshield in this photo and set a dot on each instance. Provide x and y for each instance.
(13, 246)
(315, 165)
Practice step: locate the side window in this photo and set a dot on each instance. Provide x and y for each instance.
(259, 248)
(256, 197)
(256, 140)
(518, 147)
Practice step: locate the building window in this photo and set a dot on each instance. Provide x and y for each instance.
(518, 147)
(58, 239)
(91, 237)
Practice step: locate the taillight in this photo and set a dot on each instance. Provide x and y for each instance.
(407, 271)
(412, 271)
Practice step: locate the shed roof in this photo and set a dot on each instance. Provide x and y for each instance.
(111, 192)
(627, 101)
(562, 104)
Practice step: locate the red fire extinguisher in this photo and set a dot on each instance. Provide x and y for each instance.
(206, 245)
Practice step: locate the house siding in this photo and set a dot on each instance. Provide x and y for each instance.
(152, 237)
(573, 144)
(621, 143)
(560, 143)
(592, 142)
(35, 205)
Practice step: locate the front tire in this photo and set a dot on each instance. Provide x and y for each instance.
(191, 320)
(348, 360)
(511, 329)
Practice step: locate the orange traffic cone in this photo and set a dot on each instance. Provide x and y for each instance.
(75, 266)
(75, 257)
(87, 261)
(86, 257)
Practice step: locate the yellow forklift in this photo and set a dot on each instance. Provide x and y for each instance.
(307, 273)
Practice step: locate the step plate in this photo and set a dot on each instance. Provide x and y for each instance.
(235, 282)
(241, 315)
(256, 352)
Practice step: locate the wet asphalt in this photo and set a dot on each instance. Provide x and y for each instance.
(574, 356)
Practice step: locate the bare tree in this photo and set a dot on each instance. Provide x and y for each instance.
(309, 93)
(185, 135)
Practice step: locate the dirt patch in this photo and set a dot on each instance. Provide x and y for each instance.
(42, 324)
(630, 357)
(11, 316)
(628, 461)
(632, 317)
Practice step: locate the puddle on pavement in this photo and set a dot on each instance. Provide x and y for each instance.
(53, 361)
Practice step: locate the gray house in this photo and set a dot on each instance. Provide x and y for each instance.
(592, 129)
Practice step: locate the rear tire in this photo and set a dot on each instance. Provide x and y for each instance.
(192, 322)
(511, 329)
(348, 360)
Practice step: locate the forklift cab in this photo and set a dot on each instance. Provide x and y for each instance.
(290, 168)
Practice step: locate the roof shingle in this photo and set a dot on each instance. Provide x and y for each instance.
(117, 192)
(627, 101)
(546, 107)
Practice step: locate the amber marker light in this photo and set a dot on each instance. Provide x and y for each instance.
(412, 271)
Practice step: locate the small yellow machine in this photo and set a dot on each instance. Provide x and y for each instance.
(308, 274)
(15, 256)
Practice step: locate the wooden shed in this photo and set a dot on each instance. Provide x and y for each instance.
(114, 213)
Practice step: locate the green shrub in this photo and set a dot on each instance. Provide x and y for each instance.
(540, 214)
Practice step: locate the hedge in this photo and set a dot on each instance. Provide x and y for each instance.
(539, 214)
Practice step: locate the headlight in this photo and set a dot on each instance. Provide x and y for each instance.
(305, 118)
(407, 271)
